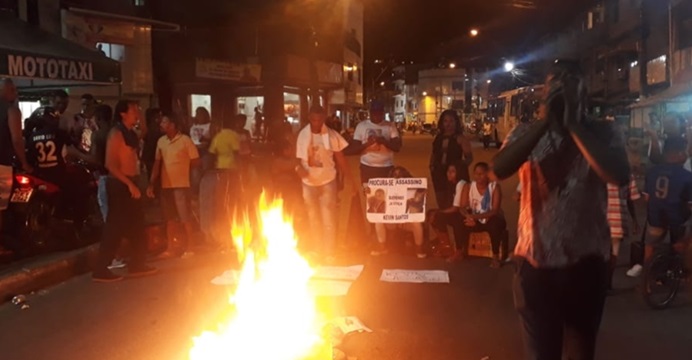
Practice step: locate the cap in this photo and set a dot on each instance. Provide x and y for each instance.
(376, 105)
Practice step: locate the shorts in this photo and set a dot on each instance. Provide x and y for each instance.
(175, 204)
(655, 235)
(5, 186)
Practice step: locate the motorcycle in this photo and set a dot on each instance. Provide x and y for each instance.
(40, 218)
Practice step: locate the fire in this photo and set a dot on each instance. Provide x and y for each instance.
(273, 314)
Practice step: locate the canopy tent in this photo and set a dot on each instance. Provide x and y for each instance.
(38, 60)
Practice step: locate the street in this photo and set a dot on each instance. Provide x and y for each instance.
(470, 318)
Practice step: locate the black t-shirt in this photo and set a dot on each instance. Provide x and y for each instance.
(47, 145)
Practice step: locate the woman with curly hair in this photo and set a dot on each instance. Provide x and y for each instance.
(450, 147)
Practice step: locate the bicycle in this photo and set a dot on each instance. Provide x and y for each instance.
(666, 270)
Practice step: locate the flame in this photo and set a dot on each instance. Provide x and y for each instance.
(273, 314)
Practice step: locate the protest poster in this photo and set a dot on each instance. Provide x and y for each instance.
(396, 201)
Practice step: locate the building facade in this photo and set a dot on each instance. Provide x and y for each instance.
(118, 30)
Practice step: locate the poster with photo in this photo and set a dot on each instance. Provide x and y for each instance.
(396, 201)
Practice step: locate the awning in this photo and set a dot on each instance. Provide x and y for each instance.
(674, 93)
(36, 59)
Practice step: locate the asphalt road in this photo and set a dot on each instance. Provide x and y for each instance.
(470, 318)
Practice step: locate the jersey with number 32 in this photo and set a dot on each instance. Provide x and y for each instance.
(669, 187)
(47, 147)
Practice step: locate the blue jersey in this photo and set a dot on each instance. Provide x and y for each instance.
(669, 187)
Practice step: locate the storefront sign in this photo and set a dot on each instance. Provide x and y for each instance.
(47, 68)
(222, 70)
(35, 66)
(400, 200)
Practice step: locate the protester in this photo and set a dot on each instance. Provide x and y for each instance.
(85, 124)
(448, 216)
(620, 198)
(99, 138)
(319, 149)
(176, 155)
(245, 149)
(219, 189)
(201, 135)
(376, 141)
(564, 161)
(668, 190)
(450, 147)
(125, 216)
(480, 205)
(11, 141)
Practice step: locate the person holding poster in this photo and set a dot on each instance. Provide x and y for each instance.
(407, 195)
(481, 207)
(375, 141)
(319, 150)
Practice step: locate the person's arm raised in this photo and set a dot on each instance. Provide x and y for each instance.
(517, 149)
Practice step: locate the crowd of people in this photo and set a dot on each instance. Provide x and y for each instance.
(576, 192)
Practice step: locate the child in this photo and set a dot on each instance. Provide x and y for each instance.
(451, 216)
(668, 190)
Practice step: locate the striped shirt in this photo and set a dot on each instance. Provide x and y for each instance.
(618, 218)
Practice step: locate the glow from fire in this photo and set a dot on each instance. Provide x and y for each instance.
(273, 315)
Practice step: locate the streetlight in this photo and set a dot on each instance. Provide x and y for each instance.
(425, 93)
(509, 66)
(489, 81)
(474, 32)
(452, 65)
(382, 83)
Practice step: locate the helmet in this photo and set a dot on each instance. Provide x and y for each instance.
(45, 116)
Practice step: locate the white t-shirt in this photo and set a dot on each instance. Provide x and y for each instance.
(457, 193)
(199, 132)
(478, 206)
(316, 158)
(376, 155)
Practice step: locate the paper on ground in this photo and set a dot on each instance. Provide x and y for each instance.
(321, 287)
(414, 276)
(229, 277)
(349, 324)
(338, 272)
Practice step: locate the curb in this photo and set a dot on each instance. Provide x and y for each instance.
(42, 274)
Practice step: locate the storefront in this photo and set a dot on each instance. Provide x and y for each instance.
(39, 62)
(275, 90)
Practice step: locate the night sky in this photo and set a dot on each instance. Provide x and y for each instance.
(425, 30)
(418, 30)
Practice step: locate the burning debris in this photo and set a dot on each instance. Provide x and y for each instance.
(273, 312)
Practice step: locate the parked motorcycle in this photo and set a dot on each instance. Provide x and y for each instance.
(40, 217)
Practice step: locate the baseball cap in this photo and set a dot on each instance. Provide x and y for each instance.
(376, 105)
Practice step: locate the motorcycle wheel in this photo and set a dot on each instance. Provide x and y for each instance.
(37, 231)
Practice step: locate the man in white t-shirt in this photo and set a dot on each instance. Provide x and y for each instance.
(319, 150)
(376, 141)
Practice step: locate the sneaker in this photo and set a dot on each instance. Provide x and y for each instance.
(635, 271)
(421, 255)
(380, 250)
(105, 277)
(117, 264)
(142, 270)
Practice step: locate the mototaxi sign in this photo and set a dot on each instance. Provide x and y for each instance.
(23, 65)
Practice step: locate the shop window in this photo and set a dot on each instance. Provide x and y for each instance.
(197, 100)
(113, 51)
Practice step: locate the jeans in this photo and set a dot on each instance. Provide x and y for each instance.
(320, 202)
(125, 220)
(561, 309)
(102, 196)
(218, 197)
